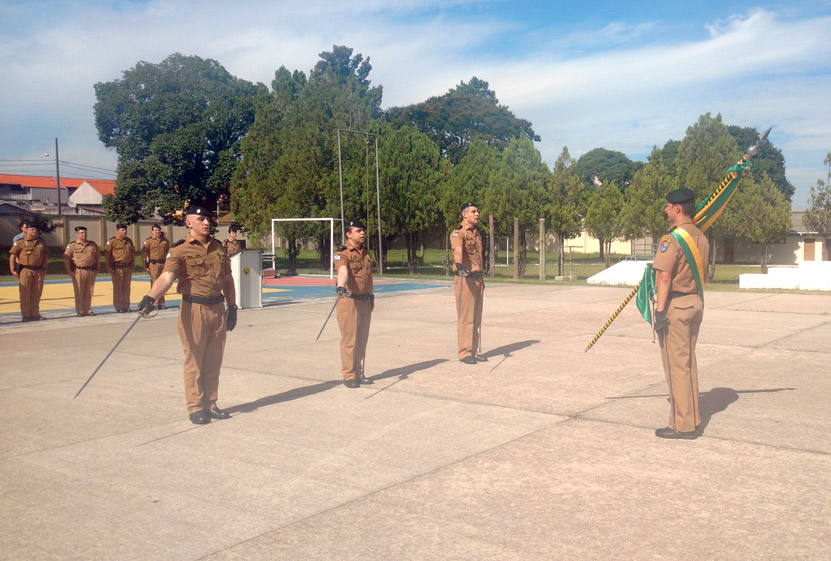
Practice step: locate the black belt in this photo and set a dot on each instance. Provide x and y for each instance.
(124, 265)
(32, 267)
(476, 275)
(157, 261)
(85, 268)
(360, 296)
(674, 294)
(204, 300)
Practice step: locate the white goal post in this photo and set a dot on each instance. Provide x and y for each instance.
(331, 222)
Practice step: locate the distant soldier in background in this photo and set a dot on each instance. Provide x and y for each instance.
(22, 234)
(82, 260)
(469, 284)
(153, 254)
(121, 260)
(28, 261)
(354, 286)
(232, 246)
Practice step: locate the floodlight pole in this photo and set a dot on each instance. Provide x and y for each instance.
(377, 194)
(58, 174)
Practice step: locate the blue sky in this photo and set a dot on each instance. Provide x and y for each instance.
(623, 76)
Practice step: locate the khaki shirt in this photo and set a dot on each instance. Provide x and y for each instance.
(84, 254)
(670, 258)
(155, 249)
(232, 247)
(120, 251)
(30, 253)
(199, 268)
(359, 280)
(471, 243)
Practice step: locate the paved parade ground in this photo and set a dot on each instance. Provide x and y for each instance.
(543, 452)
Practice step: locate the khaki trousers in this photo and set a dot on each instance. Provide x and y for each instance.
(469, 325)
(684, 314)
(84, 285)
(31, 288)
(202, 330)
(122, 278)
(155, 271)
(354, 317)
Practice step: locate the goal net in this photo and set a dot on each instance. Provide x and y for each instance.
(331, 222)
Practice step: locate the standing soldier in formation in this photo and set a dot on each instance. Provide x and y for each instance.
(679, 281)
(469, 284)
(120, 255)
(232, 246)
(153, 254)
(355, 303)
(204, 272)
(28, 261)
(82, 260)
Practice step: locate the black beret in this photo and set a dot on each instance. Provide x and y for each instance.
(681, 196)
(356, 224)
(197, 209)
(80, 228)
(465, 205)
(233, 228)
(120, 226)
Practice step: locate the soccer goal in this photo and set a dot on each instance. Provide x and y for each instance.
(331, 222)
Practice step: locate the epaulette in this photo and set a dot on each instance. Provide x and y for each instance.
(178, 243)
(459, 227)
(671, 229)
(342, 248)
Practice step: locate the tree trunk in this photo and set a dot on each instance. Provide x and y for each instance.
(764, 258)
(523, 252)
(607, 253)
(324, 250)
(711, 270)
(293, 252)
(412, 258)
(602, 243)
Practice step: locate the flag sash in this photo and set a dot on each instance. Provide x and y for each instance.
(692, 254)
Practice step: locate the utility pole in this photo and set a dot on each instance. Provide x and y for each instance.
(58, 173)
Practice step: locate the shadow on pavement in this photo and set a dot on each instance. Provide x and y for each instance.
(718, 399)
(290, 395)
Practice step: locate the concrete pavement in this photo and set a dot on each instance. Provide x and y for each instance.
(543, 452)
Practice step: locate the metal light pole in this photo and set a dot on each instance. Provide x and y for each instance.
(58, 173)
(377, 194)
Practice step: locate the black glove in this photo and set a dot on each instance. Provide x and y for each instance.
(231, 318)
(461, 271)
(145, 306)
(660, 323)
(342, 292)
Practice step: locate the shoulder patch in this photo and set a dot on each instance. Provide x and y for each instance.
(168, 255)
(67, 245)
(664, 245)
(455, 234)
(337, 257)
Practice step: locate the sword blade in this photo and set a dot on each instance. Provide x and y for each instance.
(327, 317)
(132, 325)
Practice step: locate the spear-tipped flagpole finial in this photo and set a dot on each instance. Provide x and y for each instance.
(751, 151)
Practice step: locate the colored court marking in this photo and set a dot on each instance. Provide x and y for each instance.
(58, 298)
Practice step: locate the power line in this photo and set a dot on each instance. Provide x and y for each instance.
(108, 170)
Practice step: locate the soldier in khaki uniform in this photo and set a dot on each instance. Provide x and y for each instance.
(82, 260)
(120, 256)
(28, 261)
(469, 284)
(355, 305)
(204, 272)
(679, 310)
(153, 253)
(232, 245)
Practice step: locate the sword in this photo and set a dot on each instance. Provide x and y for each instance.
(132, 325)
(662, 340)
(327, 317)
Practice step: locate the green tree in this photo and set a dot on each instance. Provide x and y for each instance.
(176, 127)
(289, 167)
(768, 159)
(643, 211)
(411, 180)
(567, 203)
(603, 217)
(758, 213)
(467, 112)
(517, 190)
(818, 215)
(605, 165)
(705, 154)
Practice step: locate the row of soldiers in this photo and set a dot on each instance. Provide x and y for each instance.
(82, 261)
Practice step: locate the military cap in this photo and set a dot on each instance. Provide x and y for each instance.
(681, 196)
(80, 228)
(198, 209)
(120, 226)
(465, 205)
(233, 228)
(356, 224)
